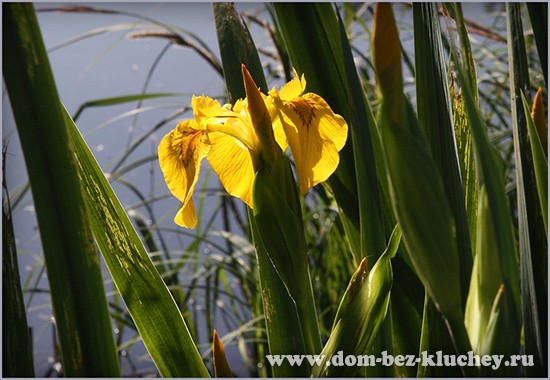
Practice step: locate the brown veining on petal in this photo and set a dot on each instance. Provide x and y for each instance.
(304, 109)
(185, 144)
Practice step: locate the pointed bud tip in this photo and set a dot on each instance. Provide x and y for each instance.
(221, 367)
(260, 116)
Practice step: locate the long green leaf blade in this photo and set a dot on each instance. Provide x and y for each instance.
(236, 48)
(149, 302)
(118, 100)
(283, 326)
(538, 13)
(491, 177)
(417, 193)
(435, 116)
(462, 128)
(17, 360)
(74, 273)
(532, 239)
(362, 126)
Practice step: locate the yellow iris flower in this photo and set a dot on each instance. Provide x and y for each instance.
(231, 142)
(314, 132)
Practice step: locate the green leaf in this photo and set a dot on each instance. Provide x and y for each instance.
(417, 192)
(362, 125)
(496, 339)
(358, 326)
(462, 128)
(486, 277)
(488, 318)
(435, 337)
(490, 175)
(416, 188)
(72, 262)
(532, 237)
(538, 13)
(236, 48)
(149, 302)
(540, 163)
(435, 117)
(407, 300)
(278, 217)
(17, 360)
(283, 326)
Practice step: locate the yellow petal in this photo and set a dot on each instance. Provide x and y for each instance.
(186, 216)
(205, 108)
(180, 154)
(315, 135)
(293, 89)
(233, 164)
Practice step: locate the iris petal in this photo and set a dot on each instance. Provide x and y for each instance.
(315, 135)
(233, 165)
(180, 154)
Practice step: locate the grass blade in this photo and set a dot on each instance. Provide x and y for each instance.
(283, 326)
(74, 273)
(362, 126)
(462, 129)
(118, 100)
(540, 163)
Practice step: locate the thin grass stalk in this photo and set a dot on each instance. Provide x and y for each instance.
(74, 273)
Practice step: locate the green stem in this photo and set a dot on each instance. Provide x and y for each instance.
(305, 306)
